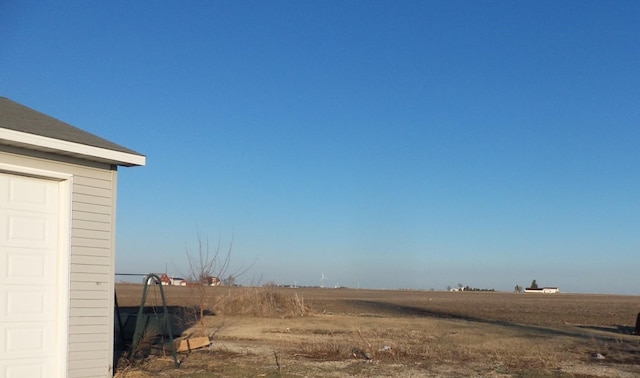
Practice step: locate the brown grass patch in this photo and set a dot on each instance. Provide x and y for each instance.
(260, 302)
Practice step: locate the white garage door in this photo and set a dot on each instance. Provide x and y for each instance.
(28, 277)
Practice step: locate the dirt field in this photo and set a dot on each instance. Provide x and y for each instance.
(345, 332)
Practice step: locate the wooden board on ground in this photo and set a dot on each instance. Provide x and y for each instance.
(187, 345)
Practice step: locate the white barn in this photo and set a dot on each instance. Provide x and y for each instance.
(57, 246)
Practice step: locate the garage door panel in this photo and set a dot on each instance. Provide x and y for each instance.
(28, 193)
(25, 228)
(20, 305)
(28, 230)
(26, 368)
(27, 339)
(22, 266)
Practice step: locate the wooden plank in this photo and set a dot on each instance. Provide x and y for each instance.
(192, 343)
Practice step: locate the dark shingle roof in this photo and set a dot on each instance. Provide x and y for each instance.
(20, 118)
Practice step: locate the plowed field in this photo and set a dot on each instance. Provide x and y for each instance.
(346, 332)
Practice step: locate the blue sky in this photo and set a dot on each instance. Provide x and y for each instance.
(413, 144)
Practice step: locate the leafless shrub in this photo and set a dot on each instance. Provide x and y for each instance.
(146, 342)
(299, 306)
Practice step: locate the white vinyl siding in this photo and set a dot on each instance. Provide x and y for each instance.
(92, 273)
(91, 257)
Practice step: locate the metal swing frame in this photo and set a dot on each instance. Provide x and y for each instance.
(142, 321)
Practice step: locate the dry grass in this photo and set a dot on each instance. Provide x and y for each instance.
(409, 335)
(260, 302)
(398, 345)
(249, 301)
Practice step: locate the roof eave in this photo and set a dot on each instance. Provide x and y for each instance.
(63, 147)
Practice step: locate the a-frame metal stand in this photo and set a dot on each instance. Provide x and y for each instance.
(142, 320)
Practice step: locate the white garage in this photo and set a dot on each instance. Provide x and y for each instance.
(57, 246)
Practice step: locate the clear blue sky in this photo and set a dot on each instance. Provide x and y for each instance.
(386, 144)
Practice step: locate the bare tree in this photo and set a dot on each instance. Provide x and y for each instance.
(206, 265)
(207, 262)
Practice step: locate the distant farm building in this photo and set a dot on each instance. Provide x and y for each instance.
(543, 290)
(166, 280)
(178, 281)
